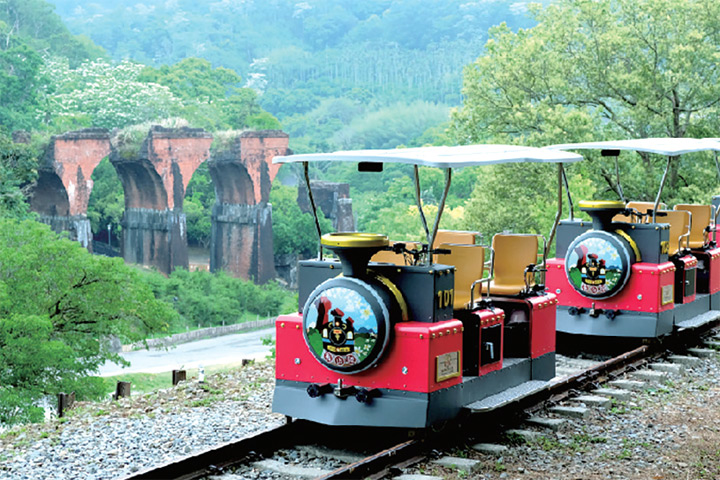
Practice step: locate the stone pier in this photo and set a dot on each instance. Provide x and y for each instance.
(241, 242)
(333, 200)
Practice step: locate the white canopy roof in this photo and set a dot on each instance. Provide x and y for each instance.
(663, 146)
(442, 157)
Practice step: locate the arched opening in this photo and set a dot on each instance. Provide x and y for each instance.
(49, 198)
(198, 205)
(105, 209)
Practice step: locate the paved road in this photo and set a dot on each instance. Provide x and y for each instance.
(212, 351)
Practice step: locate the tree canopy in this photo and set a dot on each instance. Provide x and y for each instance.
(59, 308)
(379, 60)
(18, 171)
(595, 70)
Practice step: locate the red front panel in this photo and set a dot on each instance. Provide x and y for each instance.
(649, 289)
(542, 324)
(416, 356)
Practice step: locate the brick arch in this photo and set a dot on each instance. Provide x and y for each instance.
(64, 184)
(233, 183)
(142, 185)
(154, 181)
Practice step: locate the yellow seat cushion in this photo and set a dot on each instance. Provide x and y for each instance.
(458, 237)
(388, 256)
(513, 253)
(469, 263)
(679, 221)
(700, 219)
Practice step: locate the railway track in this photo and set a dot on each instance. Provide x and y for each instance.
(394, 449)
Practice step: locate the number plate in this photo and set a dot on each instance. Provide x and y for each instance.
(668, 294)
(447, 366)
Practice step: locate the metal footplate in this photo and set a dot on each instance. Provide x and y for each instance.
(698, 320)
(506, 397)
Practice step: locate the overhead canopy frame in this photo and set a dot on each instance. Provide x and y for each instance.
(445, 158)
(442, 157)
(670, 147)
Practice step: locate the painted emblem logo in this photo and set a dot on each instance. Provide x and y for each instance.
(341, 327)
(595, 266)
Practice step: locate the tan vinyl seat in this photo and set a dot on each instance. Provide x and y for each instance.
(642, 207)
(469, 263)
(455, 236)
(679, 221)
(701, 216)
(513, 254)
(388, 256)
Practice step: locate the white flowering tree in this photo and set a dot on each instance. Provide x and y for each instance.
(102, 94)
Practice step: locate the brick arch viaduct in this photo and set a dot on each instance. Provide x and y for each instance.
(154, 180)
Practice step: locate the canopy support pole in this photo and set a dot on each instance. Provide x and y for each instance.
(306, 170)
(441, 207)
(662, 185)
(416, 171)
(561, 177)
(567, 190)
(717, 166)
(617, 179)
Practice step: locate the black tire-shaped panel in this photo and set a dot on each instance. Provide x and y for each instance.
(346, 323)
(598, 264)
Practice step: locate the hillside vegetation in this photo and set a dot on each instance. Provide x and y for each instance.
(336, 73)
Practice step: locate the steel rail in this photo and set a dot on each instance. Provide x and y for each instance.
(378, 461)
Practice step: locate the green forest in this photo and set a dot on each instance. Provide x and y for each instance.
(334, 75)
(337, 74)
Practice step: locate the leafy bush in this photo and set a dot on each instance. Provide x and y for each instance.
(210, 299)
(293, 230)
(59, 306)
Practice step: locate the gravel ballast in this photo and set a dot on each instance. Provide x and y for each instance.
(108, 440)
(667, 431)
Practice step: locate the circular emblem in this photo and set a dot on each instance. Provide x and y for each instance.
(598, 264)
(346, 324)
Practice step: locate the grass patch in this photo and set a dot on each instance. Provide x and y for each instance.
(514, 439)
(141, 382)
(150, 382)
(203, 402)
(12, 433)
(548, 444)
(618, 407)
(582, 441)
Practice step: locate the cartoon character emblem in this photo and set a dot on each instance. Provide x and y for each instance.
(595, 267)
(592, 270)
(341, 328)
(339, 335)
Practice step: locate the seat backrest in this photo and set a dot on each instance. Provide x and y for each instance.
(469, 262)
(700, 219)
(513, 253)
(679, 221)
(455, 236)
(642, 207)
(388, 256)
